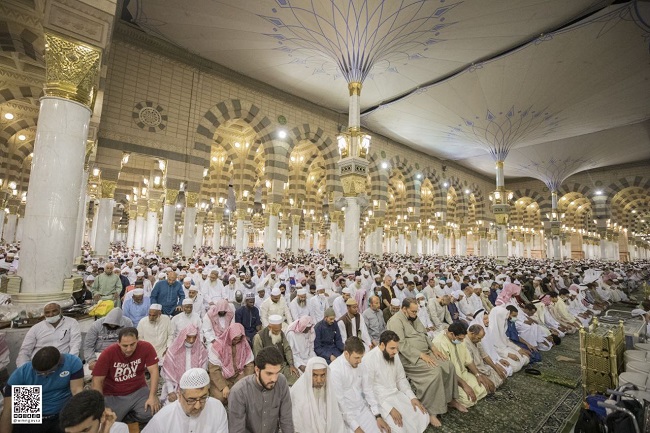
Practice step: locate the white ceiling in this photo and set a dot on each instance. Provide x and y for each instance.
(449, 77)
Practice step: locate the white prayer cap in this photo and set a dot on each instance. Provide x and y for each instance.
(155, 307)
(395, 302)
(301, 291)
(125, 271)
(205, 272)
(196, 289)
(162, 276)
(276, 292)
(456, 294)
(250, 295)
(317, 363)
(187, 280)
(192, 267)
(140, 274)
(188, 301)
(275, 319)
(137, 267)
(419, 295)
(194, 378)
(89, 269)
(138, 292)
(168, 269)
(90, 278)
(346, 290)
(399, 281)
(154, 268)
(232, 277)
(5, 266)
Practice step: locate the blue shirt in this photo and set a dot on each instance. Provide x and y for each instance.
(134, 311)
(169, 296)
(249, 318)
(56, 386)
(328, 340)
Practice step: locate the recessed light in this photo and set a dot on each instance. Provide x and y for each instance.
(9, 116)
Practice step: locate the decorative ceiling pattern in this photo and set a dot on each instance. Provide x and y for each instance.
(466, 80)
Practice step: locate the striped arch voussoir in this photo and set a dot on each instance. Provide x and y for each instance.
(325, 145)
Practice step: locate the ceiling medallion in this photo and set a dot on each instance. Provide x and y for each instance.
(282, 120)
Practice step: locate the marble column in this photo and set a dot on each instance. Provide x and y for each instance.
(283, 240)
(9, 234)
(413, 241)
(189, 222)
(105, 218)
(130, 234)
(351, 240)
(3, 215)
(295, 233)
(316, 240)
(240, 236)
(216, 228)
(140, 226)
(93, 225)
(151, 236)
(333, 236)
(19, 229)
(48, 248)
(462, 245)
(169, 219)
(200, 221)
(442, 242)
(83, 201)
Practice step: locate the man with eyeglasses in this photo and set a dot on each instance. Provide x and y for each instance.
(195, 411)
(61, 377)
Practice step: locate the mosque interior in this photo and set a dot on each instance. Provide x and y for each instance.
(501, 128)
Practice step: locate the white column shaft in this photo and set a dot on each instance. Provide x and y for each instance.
(152, 231)
(104, 223)
(167, 234)
(189, 226)
(130, 234)
(216, 235)
(351, 239)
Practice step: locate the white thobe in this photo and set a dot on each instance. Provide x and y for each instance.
(298, 311)
(159, 334)
(302, 347)
(258, 300)
(357, 401)
(212, 292)
(180, 321)
(66, 337)
(392, 390)
(317, 306)
(172, 419)
(340, 309)
(280, 308)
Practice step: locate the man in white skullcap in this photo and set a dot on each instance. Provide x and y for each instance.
(318, 304)
(187, 317)
(137, 306)
(56, 330)
(298, 306)
(339, 303)
(198, 301)
(157, 330)
(315, 407)
(195, 411)
(275, 305)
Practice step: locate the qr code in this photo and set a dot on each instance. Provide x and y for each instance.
(26, 404)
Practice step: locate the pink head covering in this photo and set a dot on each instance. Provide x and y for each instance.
(174, 362)
(574, 288)
(546, 300)
(223, 348)
(213, 313)
(360, 297)
(299, 326)
(509, 290)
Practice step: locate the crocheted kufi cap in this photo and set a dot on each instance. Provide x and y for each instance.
(194, 378)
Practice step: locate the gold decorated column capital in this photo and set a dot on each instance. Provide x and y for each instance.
(191, 199)
(355, 88)
(353, 185)
(170, 196)
(142, 209)
(71, 69)
(241, 214)
(295, 219)
(108, 188)
(274, 208)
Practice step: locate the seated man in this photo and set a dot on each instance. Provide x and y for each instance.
(230, 360)
(352, 325)
(87, 412)
(512, 333)
(137, 306)
(438, 311)
(471, 383)
(300, 335)
(494, 372)
(61, 377)
(429, 371)
(119, 376)
(399, 407)
(186, 318)
(184, 353)
(298, 306)
(327, 342)
(352, 385)
(248, 316)
(198, 302)
(276, 304)
(195, 411)
(394, 308)
(272, 335)
(261, 402)
(56, 330)
(374, 319)
(103, 333)
(315, 406)
(157, 330)
(217, 320)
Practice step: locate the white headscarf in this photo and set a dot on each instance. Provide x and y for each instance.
(306, 413)
(497, 329)
(486, 342)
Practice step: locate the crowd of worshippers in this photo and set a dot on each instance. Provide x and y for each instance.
(294, 344)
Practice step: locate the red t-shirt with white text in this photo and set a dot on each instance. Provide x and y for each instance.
(125, 375)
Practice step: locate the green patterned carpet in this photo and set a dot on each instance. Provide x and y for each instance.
(525, 403)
